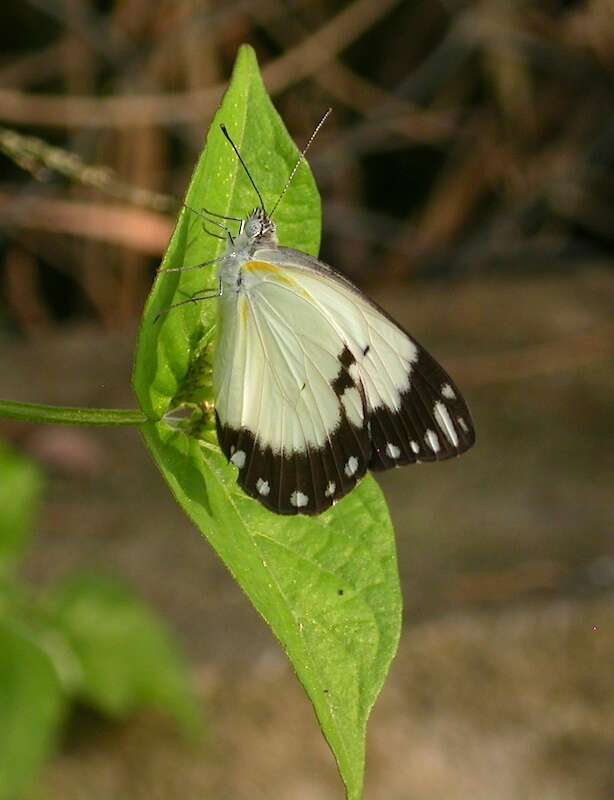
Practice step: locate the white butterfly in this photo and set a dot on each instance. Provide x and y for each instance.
(314, 384)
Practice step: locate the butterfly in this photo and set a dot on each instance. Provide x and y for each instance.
(314, 383)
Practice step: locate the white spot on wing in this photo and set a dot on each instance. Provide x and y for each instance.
(263, 487)
(392, 451)
(330, 489)
(415, 446)
(432, 440)
(463, 424)
(298, 499)
(445, 423)
(238, 459)
(351, 466)
(352, 403)
(448, 391)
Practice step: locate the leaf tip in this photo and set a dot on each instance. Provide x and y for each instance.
(247, 59)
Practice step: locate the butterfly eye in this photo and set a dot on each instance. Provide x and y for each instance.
(253, 228)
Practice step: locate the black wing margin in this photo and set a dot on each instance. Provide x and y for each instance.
(431, 421)
(307, 481)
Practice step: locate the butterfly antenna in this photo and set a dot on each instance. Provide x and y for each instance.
(300, 158)
(244, 165)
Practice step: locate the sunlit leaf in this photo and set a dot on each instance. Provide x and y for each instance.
(327, 586)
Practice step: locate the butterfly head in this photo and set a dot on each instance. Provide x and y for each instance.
(259, 229)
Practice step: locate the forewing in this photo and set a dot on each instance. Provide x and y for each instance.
(415, 411)
(291, 411)
(426, 419)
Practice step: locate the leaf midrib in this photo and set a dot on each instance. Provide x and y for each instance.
(297, 621)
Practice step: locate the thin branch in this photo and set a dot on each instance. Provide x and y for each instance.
(66, 415)
(403, 117)
(143, 231)
(360, 94)
(169, 109)
(36, 156)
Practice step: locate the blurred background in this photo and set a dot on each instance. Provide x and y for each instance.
(466, 176)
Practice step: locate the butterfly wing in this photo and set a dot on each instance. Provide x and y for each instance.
(315, 384)
(414, 410)
(290, 415)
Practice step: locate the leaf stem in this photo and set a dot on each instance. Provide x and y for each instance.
(66, 415)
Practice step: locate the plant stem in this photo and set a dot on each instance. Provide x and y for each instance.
(62, 415)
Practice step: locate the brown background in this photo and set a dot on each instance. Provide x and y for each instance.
(466, 176)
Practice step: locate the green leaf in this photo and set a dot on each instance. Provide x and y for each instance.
(20, 490)
(327, 586)
(31, 710)
(126, 658)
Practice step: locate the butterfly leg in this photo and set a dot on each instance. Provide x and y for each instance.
(205, 216)
(202, 265)
(195, 298)
(210, 233)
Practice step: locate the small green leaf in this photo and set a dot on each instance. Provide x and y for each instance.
(126, 658)
(20, 490)
(327, 586)
(31, 710)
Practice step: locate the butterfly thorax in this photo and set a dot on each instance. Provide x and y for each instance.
(257, 232)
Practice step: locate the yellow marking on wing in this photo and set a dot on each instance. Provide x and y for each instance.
(265, 268)
(278, 275)
(243, 311)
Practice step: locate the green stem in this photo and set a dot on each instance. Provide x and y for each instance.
(59, 415)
